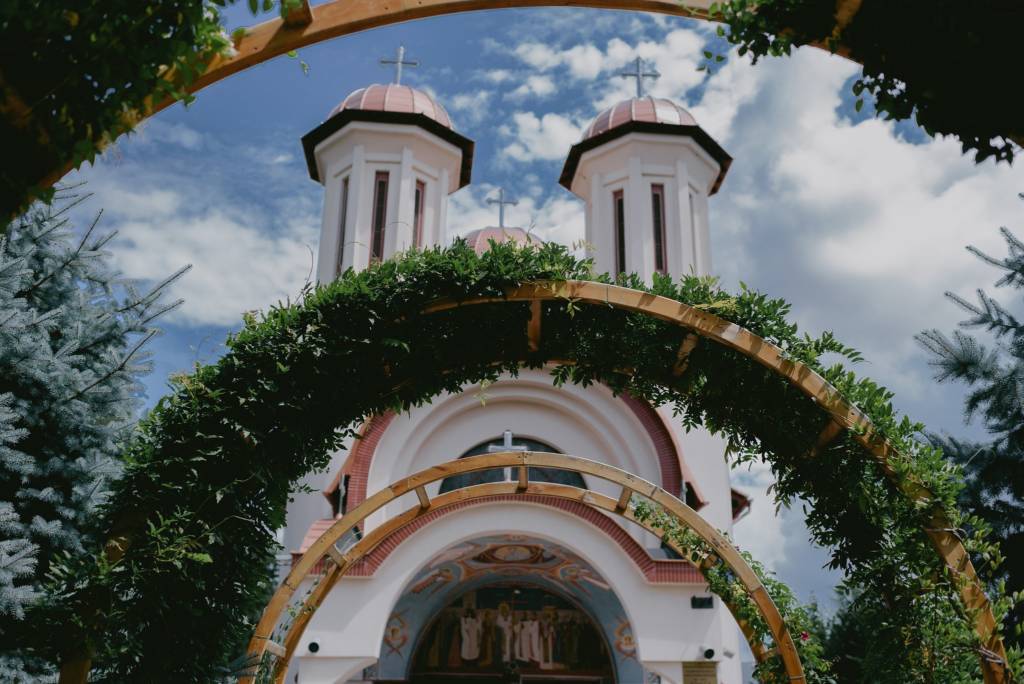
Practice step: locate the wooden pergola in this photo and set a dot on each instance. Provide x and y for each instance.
(701, 328)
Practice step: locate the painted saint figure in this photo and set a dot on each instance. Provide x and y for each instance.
(471, 629)
(504, 632)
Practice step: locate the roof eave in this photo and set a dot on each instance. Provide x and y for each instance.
(698, 134)
(347, 116)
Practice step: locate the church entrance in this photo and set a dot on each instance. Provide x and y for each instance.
(511, 632)
(508, 608)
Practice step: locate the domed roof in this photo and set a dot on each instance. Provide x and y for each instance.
(653, 115)
(647, 109)
(391, 104)
(394, 98)
(480, 239)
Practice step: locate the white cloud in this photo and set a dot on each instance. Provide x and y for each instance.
(546, 137)
(538, 55)
(537, 86)
(498, 75)
(243, 257)
(472, 106)
(156, 131)
(236, 266)
(675, 55)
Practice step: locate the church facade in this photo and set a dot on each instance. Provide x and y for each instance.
(517, 588)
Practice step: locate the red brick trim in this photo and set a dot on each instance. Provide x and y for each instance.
(655, 570)
(357, 467)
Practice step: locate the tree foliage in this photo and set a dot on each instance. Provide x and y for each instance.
(71, 338)
(73, 77)
(994, 375)
(208, 476)
(939, 62)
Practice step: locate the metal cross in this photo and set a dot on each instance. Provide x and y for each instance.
(501, 202)
(506, 445)
(399, 62)
(639, 74)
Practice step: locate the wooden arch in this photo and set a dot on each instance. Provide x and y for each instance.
(311, 25)
(337, 562)
(704, 328)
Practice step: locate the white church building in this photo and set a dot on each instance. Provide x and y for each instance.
(517, 588)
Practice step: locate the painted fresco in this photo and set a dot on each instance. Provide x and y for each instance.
(495, 629)
(508, 601)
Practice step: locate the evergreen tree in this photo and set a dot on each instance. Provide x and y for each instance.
(71, 353)
(994, 373)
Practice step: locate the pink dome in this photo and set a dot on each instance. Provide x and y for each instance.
(395, 98)
(646, 109)
(480, 239)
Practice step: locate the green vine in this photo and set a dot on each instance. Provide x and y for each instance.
(209, 475)
(729, 588)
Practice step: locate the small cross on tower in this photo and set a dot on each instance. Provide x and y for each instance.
(399, 62)
(639, 74)
(501, 202)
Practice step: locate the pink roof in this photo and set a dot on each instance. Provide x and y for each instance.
(480, 239)
(395, 98)
(649, 109)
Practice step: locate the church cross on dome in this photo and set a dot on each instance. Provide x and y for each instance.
(501, 202)
(399, 62)
(639, 74)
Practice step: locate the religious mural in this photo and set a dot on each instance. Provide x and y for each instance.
(497, 628)
(504, 606)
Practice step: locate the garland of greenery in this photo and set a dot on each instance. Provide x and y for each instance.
(208, 477)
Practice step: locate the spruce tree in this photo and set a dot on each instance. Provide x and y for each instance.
(72, 335)
(994, 372)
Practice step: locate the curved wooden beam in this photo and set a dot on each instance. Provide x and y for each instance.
(325, 546)
(715, 329)
(343, 17)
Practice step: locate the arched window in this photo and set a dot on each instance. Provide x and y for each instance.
(555, 475)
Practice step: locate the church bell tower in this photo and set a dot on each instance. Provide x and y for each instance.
(645, 170)
(388, 157)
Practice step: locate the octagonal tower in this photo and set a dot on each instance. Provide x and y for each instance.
(645, 170)
(388, 157)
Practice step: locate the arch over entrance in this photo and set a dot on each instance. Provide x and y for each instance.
(267, 642)
(497, 601)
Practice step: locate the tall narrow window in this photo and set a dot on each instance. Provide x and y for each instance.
(658, 212)
(693, 230)
(417, 214)
(619, 215)
(341, 228)
(380, 211)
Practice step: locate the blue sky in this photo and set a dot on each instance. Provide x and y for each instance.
(859, 223)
